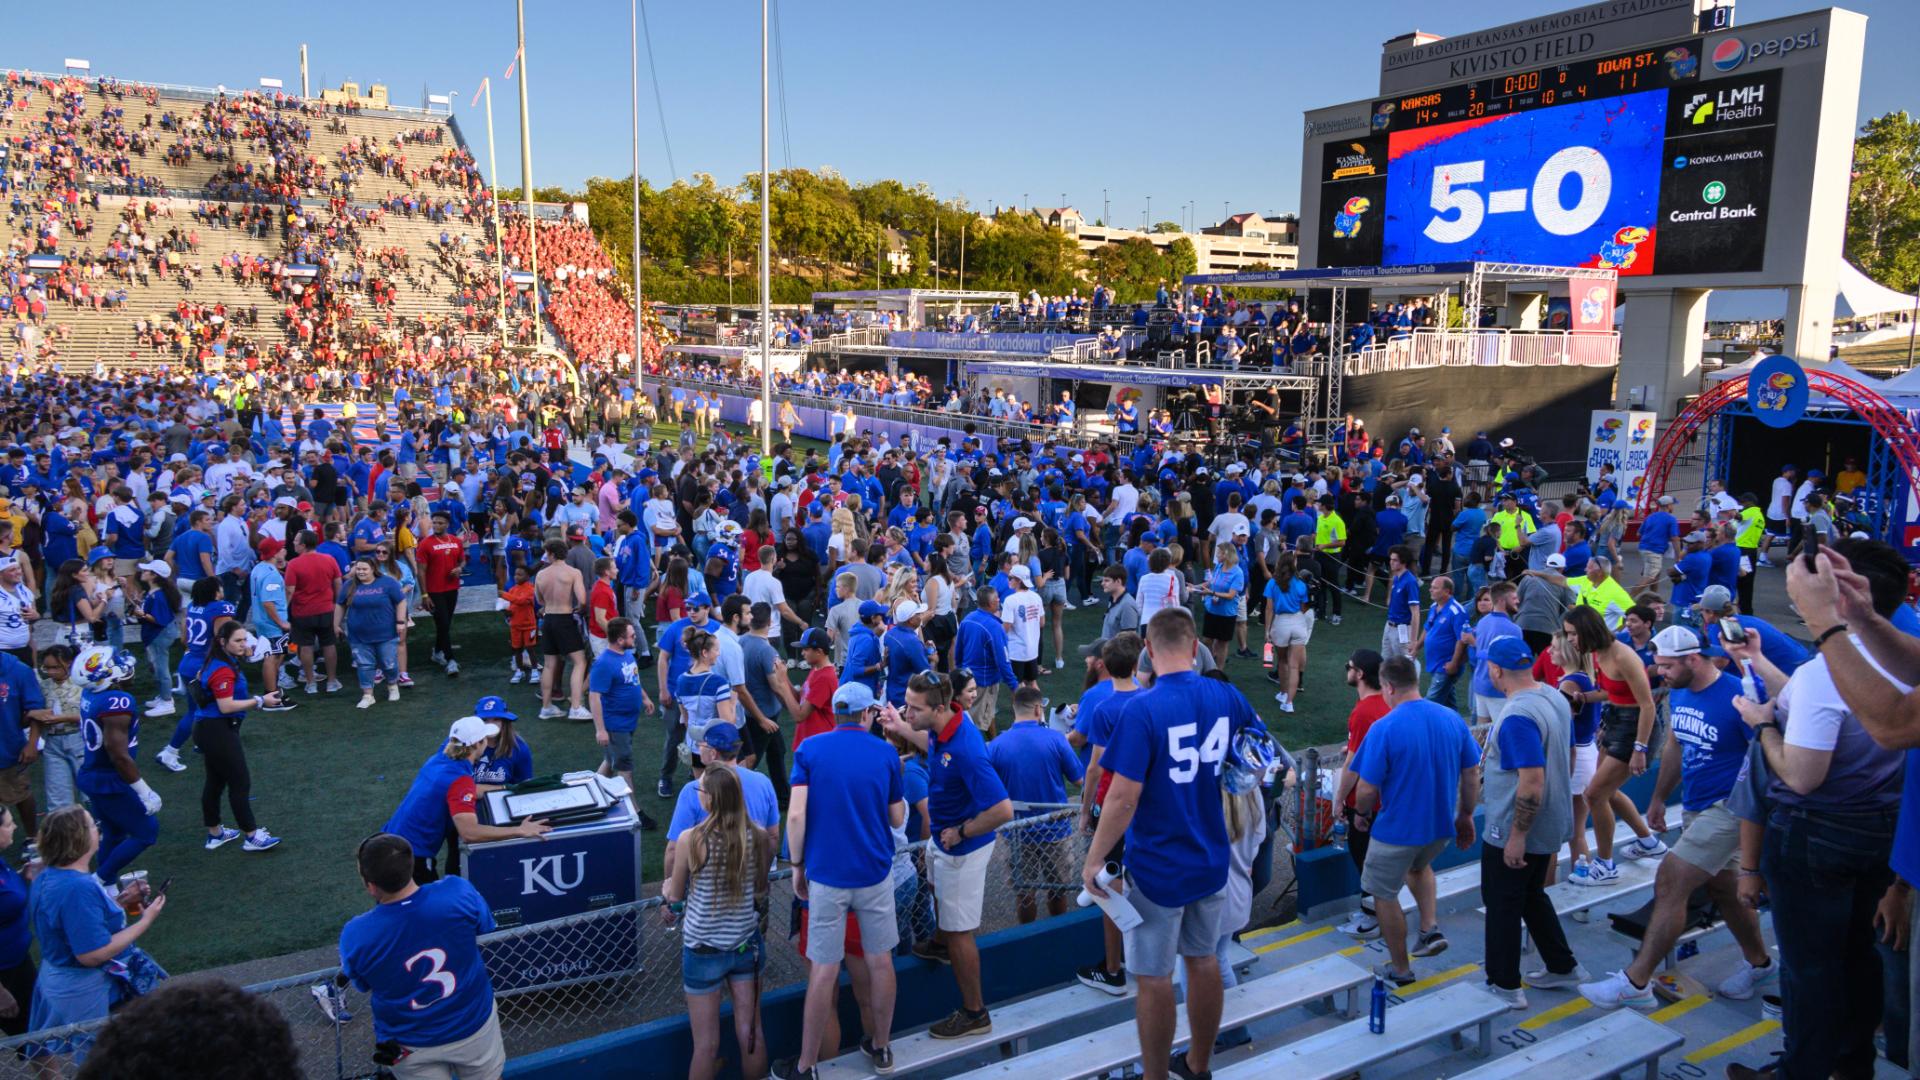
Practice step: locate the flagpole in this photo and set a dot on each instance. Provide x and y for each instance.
(639, 309)
(499, 238)
(766, 276)
(526, 168)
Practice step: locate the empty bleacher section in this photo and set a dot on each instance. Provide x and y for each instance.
(198, 228)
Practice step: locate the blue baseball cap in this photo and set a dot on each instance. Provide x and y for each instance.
(1510, 654)
(871, 608)
(852, 698)
(816, 638)
(98, 555)
(699, 599)
(723, 737)
(494, 707)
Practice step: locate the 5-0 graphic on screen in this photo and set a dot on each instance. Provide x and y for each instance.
(1548, 191)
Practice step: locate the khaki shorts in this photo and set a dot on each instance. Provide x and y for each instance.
(827, 910)
(959, 886)
(16, 785)
(480, 1055)
(1651, 563)
(1290, 628)
(985, 701)
(1389, 864)
(1709, 840)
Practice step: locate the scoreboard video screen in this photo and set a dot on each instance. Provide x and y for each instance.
(1634, 161)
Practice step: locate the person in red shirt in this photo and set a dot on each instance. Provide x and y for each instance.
(815, 712)
(442, 558)
(313, 581)
(603, 605)
(1363, 674)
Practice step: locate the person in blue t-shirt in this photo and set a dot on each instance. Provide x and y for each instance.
(966, 803)
(1443, 641)
(1418, 783)
(1165, 758)
(441, 805)
(1403, 604)
(507, 760)
(1717, 606)
(616, 698)
(847, 790)
(1497, 623)
(1036, 764)
(1705, 751)
(417, 956)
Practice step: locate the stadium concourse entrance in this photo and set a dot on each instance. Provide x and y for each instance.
(1492, 314)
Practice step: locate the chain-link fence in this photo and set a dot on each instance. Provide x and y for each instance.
(619, 966)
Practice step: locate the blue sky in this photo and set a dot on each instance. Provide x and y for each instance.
(991, 100)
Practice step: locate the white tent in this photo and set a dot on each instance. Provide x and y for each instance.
(1861, 296)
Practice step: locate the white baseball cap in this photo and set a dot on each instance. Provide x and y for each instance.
(1676, 641)
(155, 566)
(907, 609)
(1021, 573)
(1022, 523)
(1556, 560)
(471, 731)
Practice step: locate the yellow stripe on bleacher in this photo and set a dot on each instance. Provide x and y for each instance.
(1734, 1041)
(1679, 1008)
(1432, 981)
(1555, 1014)
(1255, 935)
(1274, 946)
(1351, 950)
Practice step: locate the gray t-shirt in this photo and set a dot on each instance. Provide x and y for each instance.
(762, 666)
(841, 619)
(1124, 615)
(1543, 605)
(1546, 709)
(1542, 542)
(868, 579)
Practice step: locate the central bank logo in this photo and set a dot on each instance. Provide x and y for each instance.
(1713, 193)
(1729, 54)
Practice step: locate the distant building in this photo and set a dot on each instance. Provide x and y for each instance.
(1241, 242)
(899, 255)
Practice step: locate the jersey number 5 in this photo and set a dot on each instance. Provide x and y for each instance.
(436, 973)
(1188, 758)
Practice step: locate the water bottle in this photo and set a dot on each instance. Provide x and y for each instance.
(1377, 1018)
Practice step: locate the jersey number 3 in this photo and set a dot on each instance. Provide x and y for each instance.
(1188, 758)
(436, 973)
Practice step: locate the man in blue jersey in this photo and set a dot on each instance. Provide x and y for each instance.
(1100, 707)
(1443, 643)
(1417, 786)
(1036, 764)
(1403, 605)
(721, 744)
(443, 800)
(1706, 747)
(1165, 759)
(966, 803)
(417, 956)
(124, 804)
(848, 792)
(1717, 608)
(1656, 539)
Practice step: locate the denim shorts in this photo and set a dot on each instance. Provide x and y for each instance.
(703, 972)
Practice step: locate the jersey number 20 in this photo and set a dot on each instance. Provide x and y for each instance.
(1186, 757)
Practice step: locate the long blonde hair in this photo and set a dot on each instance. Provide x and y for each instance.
(726, 834)
(1241, 811)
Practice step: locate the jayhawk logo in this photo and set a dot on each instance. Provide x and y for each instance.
(1681, 63)
(1773, 392)
(1620, 252)
(1593, 306)
(1346, 223)
(1608, 430)
(1642, 431)
(1633, 491)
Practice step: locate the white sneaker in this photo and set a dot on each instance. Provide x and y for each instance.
(313, 688)
(286, 681)
(1547, 980)
(366, 701)
(1599, 872)
(169, 759)
(453, 668)
(579, 714)
(393, 693)
(160, 708)
(1742, 983)
(1617, 990)
(550, 712)
(1366, 928)
(1281, 697)
(1649, 847)
(518, 677)
(1516, 998)
(333, 686)
(437, 656)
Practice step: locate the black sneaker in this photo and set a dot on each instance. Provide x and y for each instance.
(881, 1057)
(789, 1069)
(647, 824)
(1177, 1066)
(1098, 977)
(961, 1024)
(663, 789)
(932, 950)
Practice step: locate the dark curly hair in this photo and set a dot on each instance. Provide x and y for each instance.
(201, 1030)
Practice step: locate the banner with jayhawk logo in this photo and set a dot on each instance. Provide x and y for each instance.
(1777, 391)
(1624, 440)
(1590, 303)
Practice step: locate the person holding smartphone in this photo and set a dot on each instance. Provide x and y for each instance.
(221, 706)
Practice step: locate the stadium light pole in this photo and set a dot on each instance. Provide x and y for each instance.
(766, 273)
(499, 238)
(639, 309)
(526, 168)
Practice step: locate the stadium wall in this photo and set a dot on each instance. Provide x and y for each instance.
(1013, 963)
(1543, 409)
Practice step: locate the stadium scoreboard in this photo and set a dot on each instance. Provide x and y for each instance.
(1623, 73)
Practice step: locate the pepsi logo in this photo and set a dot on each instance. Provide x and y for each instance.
(1729, 54)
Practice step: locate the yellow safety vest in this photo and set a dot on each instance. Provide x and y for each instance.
(1510, 527)
(1328, 529)
(1753, 524)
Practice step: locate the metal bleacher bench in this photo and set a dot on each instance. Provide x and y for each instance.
(1349, 1048)
(1012, 1023)
(1098, 1052)
(1608, 1047)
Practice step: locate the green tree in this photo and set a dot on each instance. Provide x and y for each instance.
(1883, 207)
(1133, 268)
(1182, 259)
(1166, 226)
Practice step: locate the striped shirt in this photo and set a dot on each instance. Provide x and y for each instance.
(711, 919)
